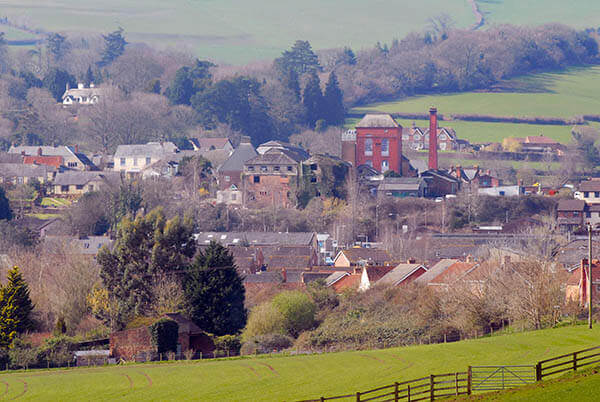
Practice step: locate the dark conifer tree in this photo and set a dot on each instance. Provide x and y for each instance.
(333, 101)
(312, 99)
(114, 46)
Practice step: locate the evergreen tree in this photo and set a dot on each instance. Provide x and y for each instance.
(312, 99)
(299, 58)
(8, 320)
(348, 57)
(57, 45)
(215, 293)
(89, 76)
(56, 81)
(114, 46)
(189, 81)
(333, 101)
(5, 211)
(145, 248)
(290, 80)
(16, 292)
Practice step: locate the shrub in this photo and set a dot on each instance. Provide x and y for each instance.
(264, 319)
(232, 343)
(297, 309)
(22, 354)
(57, 350)
(266, 344)
(165, 335)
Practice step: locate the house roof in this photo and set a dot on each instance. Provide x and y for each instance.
(454, 272)
(375, 273)
(383, 120)
(539, 139)
(209, 143)
(22, 170)
(63, 151)
(420, 165)
(83, 92)
(243, 153)
(590, 185)
(6, 157)
(151, 149)
(399, 273)
(350, 281)
(76, 178)
(440, 174)
(276, 156)
(288, 261)
(571, 205)
(56, 161)
(334, 277)
(354, 255)
(256, 238)
(186, 326)
(575, 275)
(308, 277)
(264, 277)
(89, 245)
(435, 270)
(401, 184)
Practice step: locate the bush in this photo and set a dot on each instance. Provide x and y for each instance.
(266, 344)
(22, 354)
(165, 335)
(57, 350)
(232, 343)
(297, 309)
(264, 319)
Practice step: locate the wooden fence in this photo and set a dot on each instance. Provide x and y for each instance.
(429, 388)
(568, 362)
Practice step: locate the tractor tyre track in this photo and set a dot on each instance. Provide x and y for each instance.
(251, 369)
(130, 381)
(24, 389)
(5, 389)
(270, 368)
(147, 378)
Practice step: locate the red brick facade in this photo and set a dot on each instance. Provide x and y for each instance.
(380, 148)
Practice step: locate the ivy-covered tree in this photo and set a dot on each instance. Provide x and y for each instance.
(312, 99)
(114, 46)
(299, 58)
(56, 81)
(15, 298)
(144, 249)
(333, 101)
(215, 293)
(5, 211)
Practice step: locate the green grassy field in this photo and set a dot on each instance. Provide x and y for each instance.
(289, 378)
(567, 94)
(237, 31)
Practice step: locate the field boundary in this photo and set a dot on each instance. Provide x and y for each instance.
(475, 379)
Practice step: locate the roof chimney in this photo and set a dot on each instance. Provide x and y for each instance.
(39, 151)
(76, 148)
(92, 85)
(411, 261)
(470, 259)
(80, 85)
(433, 147)
(283, 275)
(68, 86)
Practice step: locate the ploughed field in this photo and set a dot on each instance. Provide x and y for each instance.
(289, 378)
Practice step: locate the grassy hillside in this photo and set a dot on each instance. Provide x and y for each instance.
(566, 94)
(238, 31)
(289, 378)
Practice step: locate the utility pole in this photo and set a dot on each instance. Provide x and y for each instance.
(589, 276)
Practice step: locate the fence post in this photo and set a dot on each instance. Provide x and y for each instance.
(456, 382)
(395, 392)
(469, 380)
(431, 387)
(358, 397)
(575, 361)
(322, 399)
(408, 392)
(538, 371)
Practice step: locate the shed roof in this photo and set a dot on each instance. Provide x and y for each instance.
(571, 205)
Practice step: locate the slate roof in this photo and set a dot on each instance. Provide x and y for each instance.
(374, 255)
(589, 185)
(89, 245)
(398, 274)
(151, 149)
(383, 120)
(308, 277)
(76, 178)
(401, 184)
(209, 143)
(434, 271)
(571, 205)
(275, 157)
(334, 277)
(46, 150)
(6, 157)
(420, 165)
(22, 170)
(264, 277)
(235, 163)
(186, 326)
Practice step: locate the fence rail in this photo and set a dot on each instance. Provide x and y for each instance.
(568, 362)
(432, 387)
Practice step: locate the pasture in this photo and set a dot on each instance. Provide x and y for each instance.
(236, 31)
(288, 378)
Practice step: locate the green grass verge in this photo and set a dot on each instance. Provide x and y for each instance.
(55, 202)
(44, 216)
(291, 378)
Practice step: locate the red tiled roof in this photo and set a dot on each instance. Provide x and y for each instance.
(375, 273)
(47, 160)
(453, 272)
(347, 282)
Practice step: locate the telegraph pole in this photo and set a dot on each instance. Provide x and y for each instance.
(589, 276)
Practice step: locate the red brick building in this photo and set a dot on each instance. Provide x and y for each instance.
(379, 143)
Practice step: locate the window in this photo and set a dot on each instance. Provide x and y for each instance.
(369, 163)
(256, 179)
(86, 245)
(385, 166)
(385, 147)
(576, 213)
(233, 197)
(588, 214)
(313, 179)
(263, 169)
(369, 146)
(313, 166)
(251, 168)
(586, 194)
(276, 168)
(227, 178)
(91, 187)
(79, 187)
(148, 160)
(405, 137)
(597, 194)
(290, 168)
(64, 189)
(122, 162)
(20, 180)
(443, 146)
(442, 136)
(72, 164)
(134, 161)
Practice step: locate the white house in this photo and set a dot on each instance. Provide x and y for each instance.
(81, 95)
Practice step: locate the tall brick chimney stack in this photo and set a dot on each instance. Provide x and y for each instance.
(433, 145)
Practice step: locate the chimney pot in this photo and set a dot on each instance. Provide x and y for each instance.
(39, 151)
(283, 275)
(80, 85)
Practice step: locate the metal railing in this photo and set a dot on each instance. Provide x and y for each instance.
(496, 378)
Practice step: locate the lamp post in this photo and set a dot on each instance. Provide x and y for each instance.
(589, 275)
